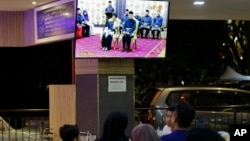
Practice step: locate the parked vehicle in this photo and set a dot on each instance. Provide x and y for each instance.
(217, 107)
(31, 132)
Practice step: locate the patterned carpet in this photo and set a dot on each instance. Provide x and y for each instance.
(90, 47)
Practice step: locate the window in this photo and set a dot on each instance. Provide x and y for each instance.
(179, 96)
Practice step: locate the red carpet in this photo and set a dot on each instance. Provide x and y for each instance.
(90, 47)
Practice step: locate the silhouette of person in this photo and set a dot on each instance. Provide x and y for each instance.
(69, 132)
(114, 127)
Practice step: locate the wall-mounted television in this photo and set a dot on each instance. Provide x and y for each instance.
(55, 21)
(105, 30)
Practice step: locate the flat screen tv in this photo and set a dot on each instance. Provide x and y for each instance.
(96, 25)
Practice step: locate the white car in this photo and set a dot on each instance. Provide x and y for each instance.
(8, 133)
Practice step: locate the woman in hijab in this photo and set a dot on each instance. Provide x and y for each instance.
(114, 127)
(86, 18)
(144, 132)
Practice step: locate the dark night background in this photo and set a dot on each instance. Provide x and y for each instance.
(198, 52)
(25, 73)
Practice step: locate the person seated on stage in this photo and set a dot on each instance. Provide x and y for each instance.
(87, 21)
(107, 35)
(128, 30)
(109, 11)
(82, 21)
(156, 26)
(116, 29)
(146, 22)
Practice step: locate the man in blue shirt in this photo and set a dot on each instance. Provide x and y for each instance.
(109, 11)
(128, 29)
(125, 17)
(80, 17)
(181, 120)
(146, 22)
(156, 27)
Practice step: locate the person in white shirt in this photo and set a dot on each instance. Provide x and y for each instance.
(168, 127)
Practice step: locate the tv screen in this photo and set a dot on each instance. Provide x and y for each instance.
(121, 29)
(55, 21)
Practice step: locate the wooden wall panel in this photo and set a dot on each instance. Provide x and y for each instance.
(86, 66)
(116, 66)
(62, 107)
(29, 28)
(11, 29)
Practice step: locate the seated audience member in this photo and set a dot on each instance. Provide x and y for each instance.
(69, 132)
(167, 129)
(128, 30)
(144, 132)
(146, 22)
(114, 127)
(82, 21)
(181, 120)
(156, 26)
(203, 133)
(107, 35)
(87, 21)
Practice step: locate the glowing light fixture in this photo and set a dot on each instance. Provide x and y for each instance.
(199, 3)
(33, 2)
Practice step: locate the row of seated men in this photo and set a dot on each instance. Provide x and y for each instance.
(147, 23)
(127, 31)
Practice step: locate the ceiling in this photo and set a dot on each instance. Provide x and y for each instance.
(179, 9)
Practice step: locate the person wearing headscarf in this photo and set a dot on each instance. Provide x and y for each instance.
(114, 127)
(88, 22)
(144, 132)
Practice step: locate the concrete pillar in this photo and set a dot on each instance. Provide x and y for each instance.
(97, 94)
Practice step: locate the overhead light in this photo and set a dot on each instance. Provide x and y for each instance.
(199, 3)
(33, 2)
